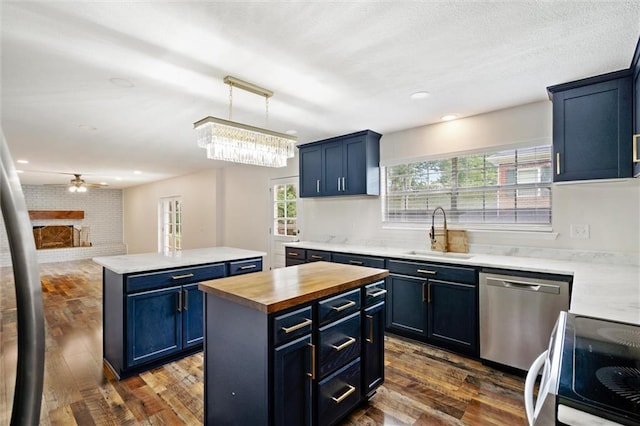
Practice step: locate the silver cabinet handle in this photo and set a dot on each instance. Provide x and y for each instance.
(179, 277)
(298, 326)
(426, 271)
(186, 300)
(636, 139)
(180, 301)
(355, 262)
(292, 254)
(242, 268)
(377, 293)
(343, 307)
(370, 338)
(318, 186)
(350, 341)
(343, 184)
(558, 163)
(338, 184)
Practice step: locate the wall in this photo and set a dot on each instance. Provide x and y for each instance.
(102, 213)
(611, 209)
(200, 211)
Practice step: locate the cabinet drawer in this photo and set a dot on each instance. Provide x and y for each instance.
(153, 280)
(291, 325)
(339, 393)
(338, 343)
(433, 270)
(318, 255)
(374, 293)
(296, 253)
(338, 306)
(353, 259)
(245, 266)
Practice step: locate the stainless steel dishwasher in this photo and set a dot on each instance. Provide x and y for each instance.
(517, 315)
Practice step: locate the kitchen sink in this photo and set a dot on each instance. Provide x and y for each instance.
(438, 254)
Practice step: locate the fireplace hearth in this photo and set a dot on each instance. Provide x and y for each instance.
(58, 236)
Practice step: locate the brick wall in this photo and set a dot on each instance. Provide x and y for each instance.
(102, 213)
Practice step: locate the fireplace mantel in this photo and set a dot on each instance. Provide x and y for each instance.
(56, 214)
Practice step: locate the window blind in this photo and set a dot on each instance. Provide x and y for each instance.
(500, 187)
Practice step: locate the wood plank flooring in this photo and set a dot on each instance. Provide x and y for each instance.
(423, 385)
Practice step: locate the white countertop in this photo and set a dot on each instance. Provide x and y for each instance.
(128, 263)
(599, 290)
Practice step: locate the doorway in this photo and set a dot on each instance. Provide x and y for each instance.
(285, 218)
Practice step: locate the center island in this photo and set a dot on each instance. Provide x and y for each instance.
(300, 345)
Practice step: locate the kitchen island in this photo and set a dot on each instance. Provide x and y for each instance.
(299, 345)
(152, 308)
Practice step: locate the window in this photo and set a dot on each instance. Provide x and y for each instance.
(492, 188)
(285, 210)
(170, 229)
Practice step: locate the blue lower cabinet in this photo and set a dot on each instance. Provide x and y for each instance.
(292, 383)
(154, 326)
(406, 306)
(193, 314)
(339, 393)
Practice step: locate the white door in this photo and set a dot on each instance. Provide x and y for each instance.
(285, 217)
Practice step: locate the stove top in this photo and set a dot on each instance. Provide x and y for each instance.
(601, 368)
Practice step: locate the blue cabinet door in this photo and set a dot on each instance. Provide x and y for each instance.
(636, 114)
(310, 169)
(193, 316)
(373, 348)
(592, 131)
(453, 315)
(154, 325)
(332, 171)
(292, 383)
(355, 166)
(406, 306)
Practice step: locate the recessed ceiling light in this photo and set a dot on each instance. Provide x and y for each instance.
(121, 82)
(137, 172)
(420, 95)
(449, 117)
(22, 161)
(291, 132)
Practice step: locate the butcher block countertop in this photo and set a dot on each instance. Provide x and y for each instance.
(278, 289)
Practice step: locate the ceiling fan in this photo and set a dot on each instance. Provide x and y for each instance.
(77, 184)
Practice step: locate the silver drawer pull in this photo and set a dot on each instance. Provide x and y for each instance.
(350, 341)
(355, 262)
(426, 271)
(242, 268)
(343, 307)
(179, 277)
(292, 254)
(342, 397)
(315, 256)
(298, 326)
(377, 293)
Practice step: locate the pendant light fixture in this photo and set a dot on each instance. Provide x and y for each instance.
(228, 140)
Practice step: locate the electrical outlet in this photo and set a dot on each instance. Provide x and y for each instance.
(580, 231)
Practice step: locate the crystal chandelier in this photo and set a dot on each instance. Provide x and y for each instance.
(228, 140)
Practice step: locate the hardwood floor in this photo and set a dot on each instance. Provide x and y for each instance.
(423, 385)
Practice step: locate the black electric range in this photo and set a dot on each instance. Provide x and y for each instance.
(600, 372)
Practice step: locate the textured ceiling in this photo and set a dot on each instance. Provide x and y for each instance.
(335, 68)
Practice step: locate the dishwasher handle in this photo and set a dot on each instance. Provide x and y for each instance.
(524, 285)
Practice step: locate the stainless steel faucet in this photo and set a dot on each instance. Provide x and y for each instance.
(436, 244)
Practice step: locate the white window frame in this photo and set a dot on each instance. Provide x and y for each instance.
(170, 224)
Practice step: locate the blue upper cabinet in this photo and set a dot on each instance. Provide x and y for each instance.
(343, 165)
(592, 128)
(635, 66)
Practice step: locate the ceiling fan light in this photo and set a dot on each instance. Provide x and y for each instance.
(82, 189)
(73, 188)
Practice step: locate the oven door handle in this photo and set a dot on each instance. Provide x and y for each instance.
(529, 384)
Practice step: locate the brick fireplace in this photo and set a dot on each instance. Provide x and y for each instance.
(56, 236)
